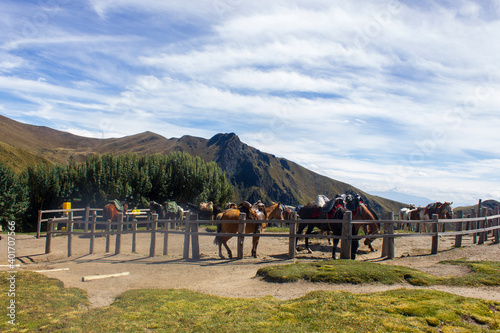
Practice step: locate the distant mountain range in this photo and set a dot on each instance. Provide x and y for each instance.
(255, 175)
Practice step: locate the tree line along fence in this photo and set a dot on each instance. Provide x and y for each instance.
(86, 222)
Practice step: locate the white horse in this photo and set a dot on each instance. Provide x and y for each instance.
(404, 214)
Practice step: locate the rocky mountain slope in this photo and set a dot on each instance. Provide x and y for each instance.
(256, 175)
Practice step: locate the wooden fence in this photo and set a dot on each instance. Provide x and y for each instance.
(93, 226)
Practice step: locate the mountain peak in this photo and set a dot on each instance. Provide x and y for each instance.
(223, 138)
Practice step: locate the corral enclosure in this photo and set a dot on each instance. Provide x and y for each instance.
(230, 278)
(87, 224)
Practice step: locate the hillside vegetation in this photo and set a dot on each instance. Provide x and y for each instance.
(136, 179)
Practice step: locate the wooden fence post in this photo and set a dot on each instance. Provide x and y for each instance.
(195, 250)
(496, 222)
(48, 239)
(458, 227)
(69, 231)
(293, 235)
(345, 244)
(39, 224)
(483, 236)
(86, 221)
(435, 239)
(473, 225)
(108, 234)
(241, 230)
(134, 235)
(388, 243)
(152, 245)
(92, 232)
(119, 229)
(165, 238)
(187, 239)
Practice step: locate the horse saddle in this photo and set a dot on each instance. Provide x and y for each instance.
(171, 207)
(118, 205)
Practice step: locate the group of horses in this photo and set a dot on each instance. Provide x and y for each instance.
(444, 210)
(323, 208)
(334, 209)
(258, 215)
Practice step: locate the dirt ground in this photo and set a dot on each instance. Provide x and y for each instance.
(229, 278)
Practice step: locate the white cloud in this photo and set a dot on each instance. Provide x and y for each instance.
(351, 90)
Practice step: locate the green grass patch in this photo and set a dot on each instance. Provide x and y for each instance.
(346, 271)
(209, 227)
(483, 273)
(40, 302)
(45, 305)
(277, 229)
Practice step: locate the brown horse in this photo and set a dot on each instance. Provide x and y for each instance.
(273, 211)
(360, 211)
(110, 212)
(442, 210)
(363, 212)
(333, 209)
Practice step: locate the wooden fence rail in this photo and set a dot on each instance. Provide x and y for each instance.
(483, 225)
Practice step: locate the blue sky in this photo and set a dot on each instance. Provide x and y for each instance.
(398, 96)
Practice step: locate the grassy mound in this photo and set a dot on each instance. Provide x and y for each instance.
(346, 271)
(485, 273)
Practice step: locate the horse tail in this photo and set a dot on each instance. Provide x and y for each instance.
(106, 214)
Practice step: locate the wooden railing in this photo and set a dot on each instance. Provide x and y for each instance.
(479, 227)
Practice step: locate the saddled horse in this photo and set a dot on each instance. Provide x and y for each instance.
(208, 210)
(361, 211)
(173, 211)
(442, 210)
(415, 214)
(333, 209)
(253, 213)
(111, 211)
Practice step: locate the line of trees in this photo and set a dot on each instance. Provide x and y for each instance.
(132, 178)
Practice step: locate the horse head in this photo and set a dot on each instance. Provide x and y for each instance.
(275, 211)
(446, 209)
(156, 208)
(230, 205)
(287, 212)
(206, 206)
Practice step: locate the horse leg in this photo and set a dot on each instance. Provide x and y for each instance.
(255, 239)
(229, 253)
(334, 250)
(354, 242)
(255, 242)
(368, 242)
(309, 230)
(220, 250)
(299, 232)
(354, 248)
